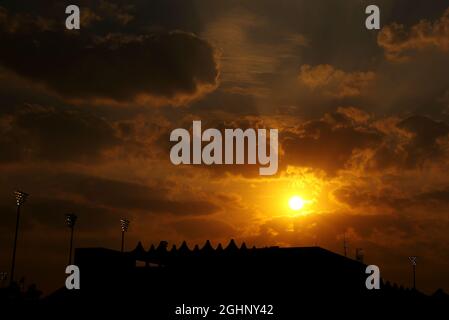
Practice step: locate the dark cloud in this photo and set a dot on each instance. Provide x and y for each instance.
(388, 198)
(420, 146)
(51, 212)
(108, 193)
(114, 15)
(426, 133)
(118, 66)
(346, 138)
(342, 40)
(408, 12)
(220, 101)
(45, 133)
(328, 143)
(441, 196)
(219, 121)
(335, 142)
(362, 198)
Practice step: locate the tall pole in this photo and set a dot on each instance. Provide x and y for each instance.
(13, 264)
(20, 199)
(124, 224)
(71, 246)
(413, 261)
(70, 220)
(414, 277)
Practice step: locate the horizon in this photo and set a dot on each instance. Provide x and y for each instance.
(361, 117)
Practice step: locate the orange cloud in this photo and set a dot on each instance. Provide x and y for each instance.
(335, 82)
(399, 44)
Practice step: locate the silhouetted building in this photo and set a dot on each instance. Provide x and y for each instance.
(283, 277)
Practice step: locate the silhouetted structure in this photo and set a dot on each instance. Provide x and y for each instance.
(20, 200)
(70, 220)
(124, 224)
(161, 279)
(413, 261)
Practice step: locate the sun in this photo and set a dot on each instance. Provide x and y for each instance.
(296, 203)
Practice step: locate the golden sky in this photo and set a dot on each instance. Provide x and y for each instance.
(363, 120)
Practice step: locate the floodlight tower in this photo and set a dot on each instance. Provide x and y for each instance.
(413, 261)
(70, 220)
(20, 199)
(124, 224)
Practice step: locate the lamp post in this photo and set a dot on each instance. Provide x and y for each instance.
(124, 224)
(413, 261)
(20, 199)
(70, 220)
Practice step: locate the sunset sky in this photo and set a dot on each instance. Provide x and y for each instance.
(363, 120)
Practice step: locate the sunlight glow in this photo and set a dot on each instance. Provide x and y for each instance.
(296, 203)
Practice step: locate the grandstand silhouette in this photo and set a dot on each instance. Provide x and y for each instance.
(160, 279)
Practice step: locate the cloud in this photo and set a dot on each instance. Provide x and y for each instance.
(349, 140)
(134, 196)
(51, 212)
(381, 198)
(411, 209)
(110, 194)
(252, 49)
(119, 12)
(424, 143)
(328, 143)
(353, 139)
(400, 44)
(24, 22)
(355, 114)
(225, 103)
(204, 229)
(440, 196)
(334, 82)
(411, 143)
(146, 67)
(346, 139)
(45, 133)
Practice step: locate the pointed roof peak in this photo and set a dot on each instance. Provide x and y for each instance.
(184, 247)
(232, 246)
(207, 247)
(162, 246)
(139, 248)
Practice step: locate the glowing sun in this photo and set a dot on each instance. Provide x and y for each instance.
(296, 203)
